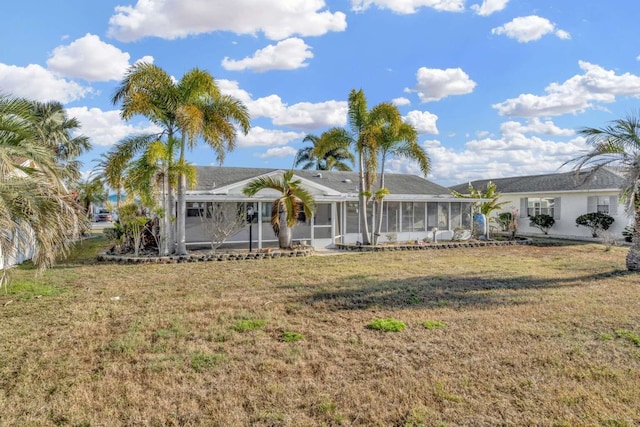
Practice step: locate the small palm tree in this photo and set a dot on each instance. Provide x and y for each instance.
(618, 145)
(285, 209)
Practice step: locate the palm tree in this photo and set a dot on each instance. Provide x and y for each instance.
(91, 191)
(618, 145)
(190, 109)
(333, 159)
(285, 209)
(35, 206)
(397, 139)
(364, 135)
(53, 130)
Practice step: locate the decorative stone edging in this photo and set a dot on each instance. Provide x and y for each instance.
(222, 256)
(426, 246)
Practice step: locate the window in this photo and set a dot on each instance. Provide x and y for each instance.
(443, 216)
(540, 205)
(603, 204)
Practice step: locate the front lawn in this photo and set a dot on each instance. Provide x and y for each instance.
(517, 335)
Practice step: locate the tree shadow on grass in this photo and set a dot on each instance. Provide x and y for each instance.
(360, 292)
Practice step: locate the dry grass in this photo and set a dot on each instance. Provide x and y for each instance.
(530, 336)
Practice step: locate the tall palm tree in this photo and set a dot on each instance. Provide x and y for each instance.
(286, 208)
(618, 145)
(397, 139)
(334, 159)
(35, 205)
(190, 109)
(363, 136)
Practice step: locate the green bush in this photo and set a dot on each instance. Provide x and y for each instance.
(595, 221)
(627, 233)
(543, 222)
(504, 220)
(387, 325)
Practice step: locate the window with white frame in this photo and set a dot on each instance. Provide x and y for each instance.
(603, 204)
(540, 205)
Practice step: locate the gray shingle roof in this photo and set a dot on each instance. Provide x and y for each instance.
(602, 179)
(345, 182)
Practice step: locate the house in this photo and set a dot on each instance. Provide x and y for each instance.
(564, 196)
(412, 209)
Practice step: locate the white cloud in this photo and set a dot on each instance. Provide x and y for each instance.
(511, 154)
(171, 19)
(37, 83)
(106, 128)
(260, 137)
(489, 6)
(529, 28)
(435, 84)
(402, 101)
(287, 54)
(279, 152)
(89, 58)
(309, 116)
(408, 6)
(575, 95)
(423, 121)
(304, 115)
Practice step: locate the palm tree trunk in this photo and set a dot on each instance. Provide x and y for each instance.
(166, 219)
(376, 235)
(633, 257)
(181, 248)
(285, 232)
(362, 201)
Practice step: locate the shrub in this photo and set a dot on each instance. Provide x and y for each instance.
(543, 222)
(628, 233)
(504, 219)
(595, 221)
(387, 325)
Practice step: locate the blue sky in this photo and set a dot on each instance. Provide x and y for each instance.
(495, 87)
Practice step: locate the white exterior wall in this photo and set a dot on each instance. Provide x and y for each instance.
(572, 205)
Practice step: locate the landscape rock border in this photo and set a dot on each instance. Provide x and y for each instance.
(430, 246)
(202, 257)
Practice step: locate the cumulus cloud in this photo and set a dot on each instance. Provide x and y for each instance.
(171, 19)
(261, 137)
(435, 84)
(303, 115)
(37, 83)
(408, 6)
(89, 58)
(580, 92)
(402, 101)
(529, 28)
(489, 6)
(287, 54)
(279, 152)
(106, 128)
(422, 121)
(512, 153)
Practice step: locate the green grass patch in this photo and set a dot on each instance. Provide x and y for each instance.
(629, 336)
(289, 336)
(387, 325)
(248, 325)
(26, 289)
(433, 324)
(201, 361)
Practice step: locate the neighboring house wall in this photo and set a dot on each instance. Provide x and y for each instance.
(565, 207)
